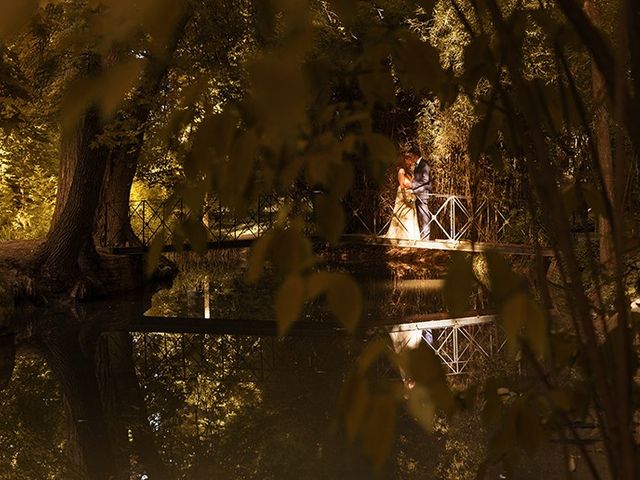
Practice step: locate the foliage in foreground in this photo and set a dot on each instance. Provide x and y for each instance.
(296, 130)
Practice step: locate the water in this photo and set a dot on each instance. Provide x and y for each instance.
(90, 400)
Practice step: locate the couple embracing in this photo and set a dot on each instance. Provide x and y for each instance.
(411, 216)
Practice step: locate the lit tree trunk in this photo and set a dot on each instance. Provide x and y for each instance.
(82, 167)
(603, 144)
(113, 227)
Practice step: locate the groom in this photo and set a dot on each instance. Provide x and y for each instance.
(422, 187)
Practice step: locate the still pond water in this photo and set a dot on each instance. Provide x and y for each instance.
(89, 399)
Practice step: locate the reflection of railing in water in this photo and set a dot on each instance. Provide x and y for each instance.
(229, 358)
(250, 351)
(452, 218)
(458, 342)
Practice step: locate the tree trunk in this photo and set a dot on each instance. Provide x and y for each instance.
(82, 167)
(113, 226)
(90, 177)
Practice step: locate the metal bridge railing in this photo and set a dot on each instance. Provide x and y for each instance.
(452, 218)
(149, 218)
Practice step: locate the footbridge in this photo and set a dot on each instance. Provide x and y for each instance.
(456, 223)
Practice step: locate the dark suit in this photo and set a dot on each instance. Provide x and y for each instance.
(422, 187)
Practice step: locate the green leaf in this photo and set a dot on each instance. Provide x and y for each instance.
(382, 154)
(291, 251)
(561, 399)
(345, 300)
(536, 329)
(341, 179)
(178, 238)
(318, 283)
(569, 197)
(418, 64)
(521, 315)
(378, 434)
(527, 425)
(503, 280)
(459, 283)
(513, 314)
(107, 90)
(425, 366)
(289, 302)
(259, 253)
(330, 217)
(356, 407)
(377, 86)
(152, 256)
(15, 16)
(196, 233)
(426, 369)
(421, 407)
(372, 351)
(116, 83)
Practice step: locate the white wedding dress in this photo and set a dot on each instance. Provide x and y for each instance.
(404, 221)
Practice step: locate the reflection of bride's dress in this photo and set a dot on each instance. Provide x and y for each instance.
(404, 221)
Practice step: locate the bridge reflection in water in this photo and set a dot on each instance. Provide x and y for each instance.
(245, 350)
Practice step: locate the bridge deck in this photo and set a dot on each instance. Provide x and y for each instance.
(450, 245)
(457, 341)
(244, 241)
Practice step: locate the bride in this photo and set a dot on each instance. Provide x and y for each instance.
(404, 221)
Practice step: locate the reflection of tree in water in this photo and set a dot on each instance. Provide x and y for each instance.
(222, 274)
(31, 424)
(190, 406)
(187, 412)
(387, 295)
(204, 421)
(216, 424)
(106, 433)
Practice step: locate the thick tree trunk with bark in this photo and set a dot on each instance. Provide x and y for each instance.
(113, 226)
(92, 203)
(82, 167)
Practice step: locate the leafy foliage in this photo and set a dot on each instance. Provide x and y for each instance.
(301, 119)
